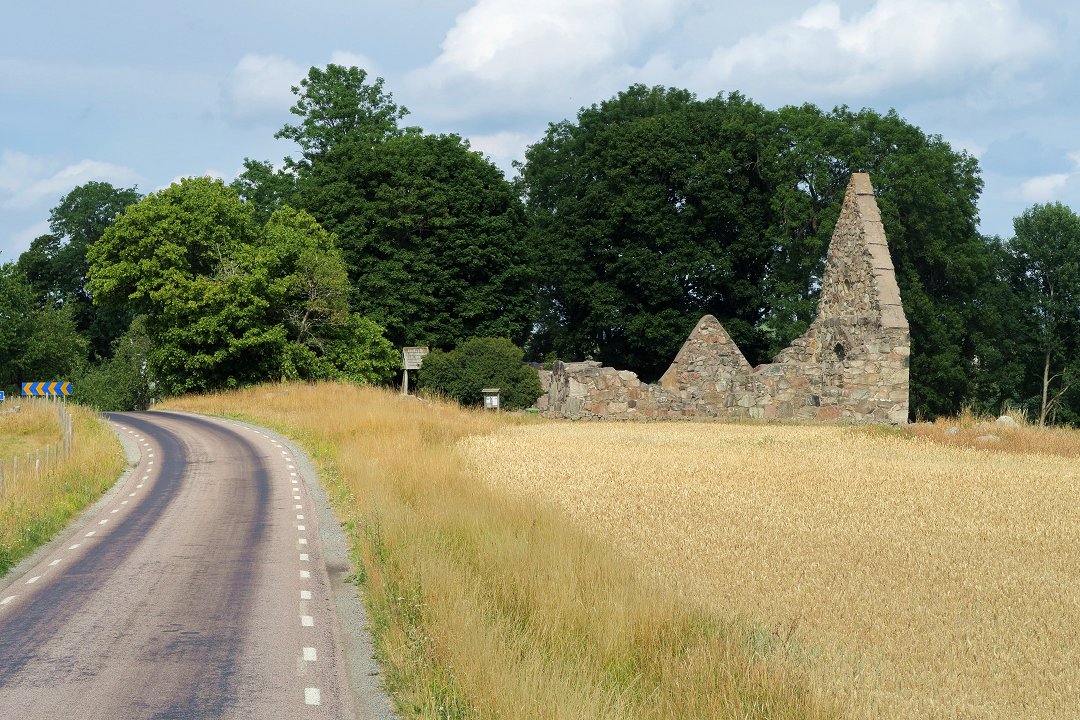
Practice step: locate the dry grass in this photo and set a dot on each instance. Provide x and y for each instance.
(922, 580)
(26, 426)
(36, 506)
(487, 605)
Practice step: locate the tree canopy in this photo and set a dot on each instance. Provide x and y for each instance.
(227, 302)
(625, 225)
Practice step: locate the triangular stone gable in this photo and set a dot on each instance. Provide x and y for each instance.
(709, 352)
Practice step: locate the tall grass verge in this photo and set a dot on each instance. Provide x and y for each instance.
(486, 605)
(35, 506)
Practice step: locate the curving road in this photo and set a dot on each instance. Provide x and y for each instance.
(199, 589)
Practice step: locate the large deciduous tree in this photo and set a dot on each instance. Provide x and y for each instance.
(56, 264)
(432, 232)
(182, 257)
(652, 210)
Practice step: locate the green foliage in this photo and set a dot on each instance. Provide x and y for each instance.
(339, 105)
(363, 354)
(36, 343)
(433, 234)
(123, 382)
(481, 363)
(652, 211)
(56, 264)
(228, 302)
(265, 189)
(1045, 277)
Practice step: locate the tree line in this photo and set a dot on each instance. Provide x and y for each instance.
(622, 227)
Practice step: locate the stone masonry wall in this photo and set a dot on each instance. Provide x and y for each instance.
(851, 364)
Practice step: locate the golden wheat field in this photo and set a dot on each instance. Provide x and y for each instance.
(916, 580)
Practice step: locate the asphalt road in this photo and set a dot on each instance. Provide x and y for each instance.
(198, 589)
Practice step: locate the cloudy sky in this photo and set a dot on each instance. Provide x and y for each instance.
(141, 93)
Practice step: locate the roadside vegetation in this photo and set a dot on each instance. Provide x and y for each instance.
(35, 506)
(486, 604)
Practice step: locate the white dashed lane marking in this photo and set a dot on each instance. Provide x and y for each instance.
(75, 546)
(311, 696)
(6, 600)
(305, 594)
(33, 580)
(55, 562)
(303, 558)
(91, 533)
(304, 574)
(307, 621)
(303, 541)
(310, 655)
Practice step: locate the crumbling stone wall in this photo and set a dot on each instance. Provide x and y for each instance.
(851, 364)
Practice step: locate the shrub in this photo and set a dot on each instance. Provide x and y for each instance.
(481, 363)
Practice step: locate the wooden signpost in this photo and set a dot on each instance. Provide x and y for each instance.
(411, 359)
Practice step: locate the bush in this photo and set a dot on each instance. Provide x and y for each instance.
(122, 382)
(481, 363)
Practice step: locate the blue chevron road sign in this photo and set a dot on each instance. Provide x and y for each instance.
(46, 389)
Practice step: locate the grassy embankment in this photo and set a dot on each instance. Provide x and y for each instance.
(933, 572)
(34, 507)
(487, 604)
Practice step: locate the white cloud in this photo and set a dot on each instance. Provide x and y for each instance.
(351, 59)
(28, 181)
(1044, 188)
(896, 43)
(512, 56)
(261, 85)
(503, 148)
(17, 170)
(516, 40)
(23, 238)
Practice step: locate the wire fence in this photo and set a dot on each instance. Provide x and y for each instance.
(34, 464)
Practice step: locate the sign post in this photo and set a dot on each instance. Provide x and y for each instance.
(411, 359)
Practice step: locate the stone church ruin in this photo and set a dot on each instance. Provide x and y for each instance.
(850, 365)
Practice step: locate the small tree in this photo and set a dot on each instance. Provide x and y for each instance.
(479, 363)
(1046, 253)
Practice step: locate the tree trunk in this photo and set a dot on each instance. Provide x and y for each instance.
(1045, 389)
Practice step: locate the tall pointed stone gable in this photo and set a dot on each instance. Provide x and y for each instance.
(859, 279)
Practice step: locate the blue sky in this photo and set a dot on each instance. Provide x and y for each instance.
(138, 93)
